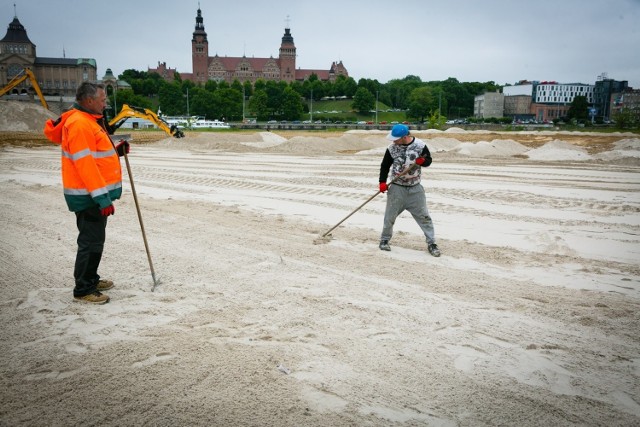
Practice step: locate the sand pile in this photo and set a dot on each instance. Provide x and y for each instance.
(623, 149)
(23, 116)
(347, 143)
(558, 150)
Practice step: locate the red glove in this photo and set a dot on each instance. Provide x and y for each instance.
(109, 210)
(419, 160)
(122, 148)
(383, 187)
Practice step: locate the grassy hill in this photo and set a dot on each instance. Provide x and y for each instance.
(341, 110)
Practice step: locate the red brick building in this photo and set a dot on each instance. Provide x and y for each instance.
(242, 68)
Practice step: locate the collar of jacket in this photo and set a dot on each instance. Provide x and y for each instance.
(79, 108)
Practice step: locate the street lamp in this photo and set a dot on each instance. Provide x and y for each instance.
(311, 108)
(376, 107)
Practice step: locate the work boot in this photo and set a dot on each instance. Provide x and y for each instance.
(94, 298)
(104, 285)
(433, 249)
(384, 245)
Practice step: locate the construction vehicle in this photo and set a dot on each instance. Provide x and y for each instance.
(143, 113)
(21, 77)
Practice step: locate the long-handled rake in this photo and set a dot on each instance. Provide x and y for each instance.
(144, 236)
(406, 171)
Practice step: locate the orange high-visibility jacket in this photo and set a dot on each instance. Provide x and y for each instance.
(91, 172)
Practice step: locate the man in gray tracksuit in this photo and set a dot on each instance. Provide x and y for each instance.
(406, 157)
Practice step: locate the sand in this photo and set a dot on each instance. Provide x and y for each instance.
(529, 318)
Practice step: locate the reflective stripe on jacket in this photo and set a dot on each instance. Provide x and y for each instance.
(91, 172)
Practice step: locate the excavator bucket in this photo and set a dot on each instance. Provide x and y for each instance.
(176, 132)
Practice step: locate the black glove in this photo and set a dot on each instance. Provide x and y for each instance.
(122, 147)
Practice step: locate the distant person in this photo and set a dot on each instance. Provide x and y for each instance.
(91, 181)
(406, 157)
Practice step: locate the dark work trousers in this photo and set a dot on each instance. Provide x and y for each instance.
(91, 227)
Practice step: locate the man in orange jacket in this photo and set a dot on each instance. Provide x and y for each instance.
(91, 180)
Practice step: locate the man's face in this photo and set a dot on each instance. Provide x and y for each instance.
(97, 104)
(400, 141)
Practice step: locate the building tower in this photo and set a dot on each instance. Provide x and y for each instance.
(287, 56)
(17, 52)
(200, 51)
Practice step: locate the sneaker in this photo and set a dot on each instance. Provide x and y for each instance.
(384, 245)
(94, 298)
(433, 250)
(104, 285)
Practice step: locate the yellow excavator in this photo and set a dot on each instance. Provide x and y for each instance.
(142, 113)
(21, 77)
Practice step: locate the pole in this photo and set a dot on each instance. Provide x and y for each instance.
(376, 107)
(144, 236)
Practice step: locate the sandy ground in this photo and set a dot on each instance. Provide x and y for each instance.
(530, 317)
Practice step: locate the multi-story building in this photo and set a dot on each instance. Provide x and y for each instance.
(603, 92)
(243, 68)
(627, 100)
(166, 73)
(518, 107)
(57, 77)
(491, 104)
(548, 100)
(552, 100)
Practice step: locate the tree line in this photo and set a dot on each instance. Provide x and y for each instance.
(273, 100)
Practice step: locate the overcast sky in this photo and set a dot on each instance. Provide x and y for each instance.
(569, 41)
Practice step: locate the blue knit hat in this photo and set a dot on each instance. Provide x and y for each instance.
(398, 131)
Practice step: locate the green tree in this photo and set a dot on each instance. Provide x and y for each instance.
(291, 104)
(627, 118)
(129, 98)
(229, 103)
(258, 105)
(421, 103)
(363, 100)
(248, 88)
(211, 86)
(202, 103)
(579, 109)
(171, 100)
(436, 120)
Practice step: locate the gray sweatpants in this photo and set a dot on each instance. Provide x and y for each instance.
(412, 199)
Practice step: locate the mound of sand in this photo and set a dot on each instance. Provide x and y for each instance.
(19, 116)
(347, 143)
(495, 148)
(623, 150)
(558, 150)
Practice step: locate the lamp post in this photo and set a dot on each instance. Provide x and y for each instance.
(311, 107)
(243, 96)
(376, 107)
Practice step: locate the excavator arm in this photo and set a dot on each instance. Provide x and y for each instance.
(142, 113)
(21, 77)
